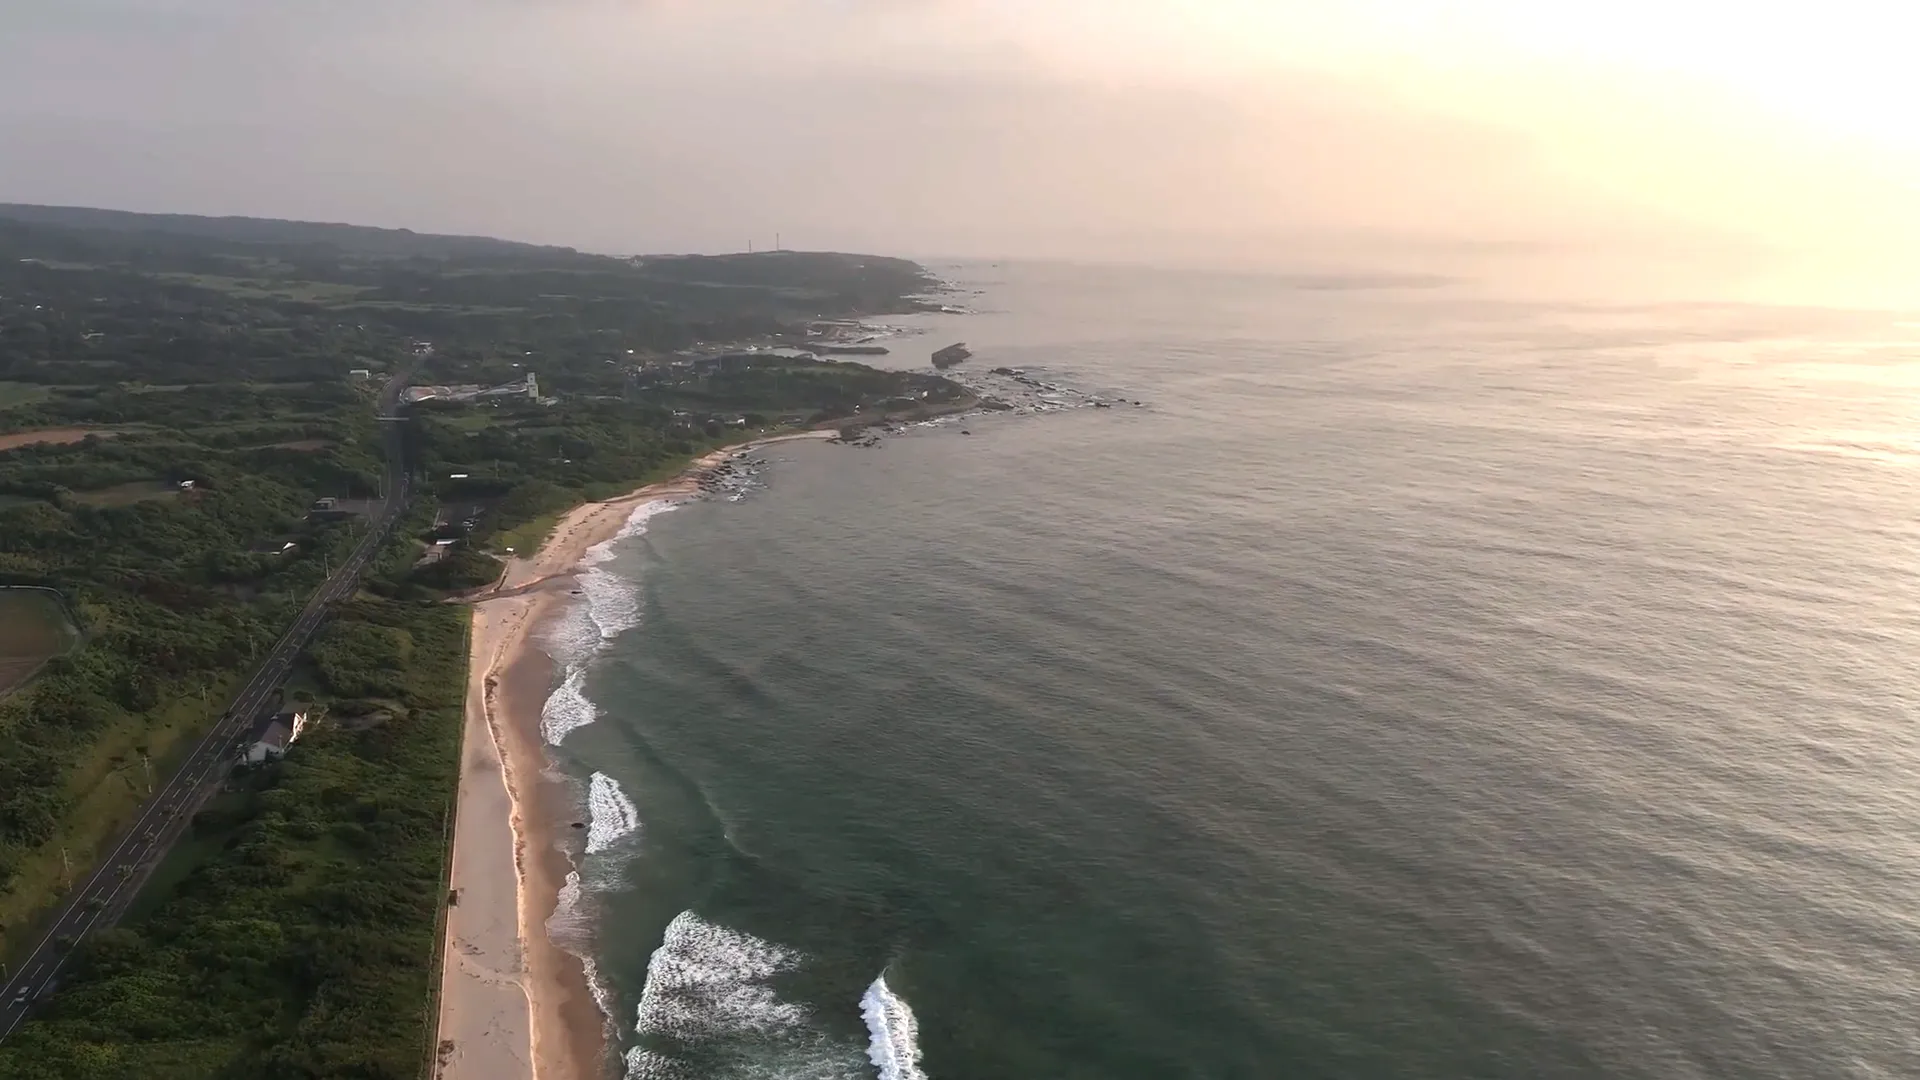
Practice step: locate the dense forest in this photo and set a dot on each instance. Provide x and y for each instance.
(177, 398)
(292, 932)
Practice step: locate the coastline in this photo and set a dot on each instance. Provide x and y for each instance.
(514, 1005)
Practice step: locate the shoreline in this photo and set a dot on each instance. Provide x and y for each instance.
(513, 1004)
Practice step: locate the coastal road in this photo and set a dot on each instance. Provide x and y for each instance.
(168, 811)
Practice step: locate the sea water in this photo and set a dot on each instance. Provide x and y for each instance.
(1413, 684)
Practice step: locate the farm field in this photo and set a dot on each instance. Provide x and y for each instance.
(33, 630)
(16, 394)
(127, 494)
(50, 437)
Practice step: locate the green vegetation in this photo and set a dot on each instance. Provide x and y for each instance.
(293, 934)
(33, 630)
(14, 395)
(632, 424)
(176, 394)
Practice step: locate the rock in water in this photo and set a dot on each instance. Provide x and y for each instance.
(950, 356)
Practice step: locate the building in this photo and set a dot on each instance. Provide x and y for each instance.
(270, 738)
(529, 388)
(360, 374)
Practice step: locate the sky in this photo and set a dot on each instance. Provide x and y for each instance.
(1228, 131)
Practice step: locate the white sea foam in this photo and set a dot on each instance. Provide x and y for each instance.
(571, 927)
(602, 993)
(574, 637)
(893, 1036)
(635, 525)
(644, 1064)
(610, 606)
(571, 924)
(611, 815)
(706, 981)
(567, 708)
(612, 602)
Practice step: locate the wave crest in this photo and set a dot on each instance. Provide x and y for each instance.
(610, 606)
(706, 981)
(611, 814)
(567, 708)
(894, 1036)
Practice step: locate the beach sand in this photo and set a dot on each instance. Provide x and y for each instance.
(514, 1006)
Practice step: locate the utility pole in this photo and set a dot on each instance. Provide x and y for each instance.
(146, 765)
(66, 869)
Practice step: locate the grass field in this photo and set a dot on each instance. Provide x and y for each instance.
(526, 539)
(308, 292)
(305, 446)
(15, 394)
(33, 630)
(50, 437)
(127, 494)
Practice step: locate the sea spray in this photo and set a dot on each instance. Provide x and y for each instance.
(894, 1036)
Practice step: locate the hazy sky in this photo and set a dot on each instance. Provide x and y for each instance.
(1218, 129)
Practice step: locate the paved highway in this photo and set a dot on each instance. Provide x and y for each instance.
(166, 814)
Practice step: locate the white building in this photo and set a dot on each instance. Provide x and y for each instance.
(270, 740)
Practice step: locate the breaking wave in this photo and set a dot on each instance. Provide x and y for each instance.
(567, 708)
(612, 814)
(610, 606)
(706, 981)
(710, 993)
(894, 1035)
(643, 1064)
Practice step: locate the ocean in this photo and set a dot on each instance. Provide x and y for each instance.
(1416, 682)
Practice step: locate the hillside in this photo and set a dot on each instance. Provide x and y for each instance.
(269, 232)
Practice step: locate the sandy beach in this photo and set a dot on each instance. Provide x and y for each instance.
(513, 1005)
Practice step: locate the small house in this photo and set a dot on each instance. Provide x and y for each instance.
(271, 737)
